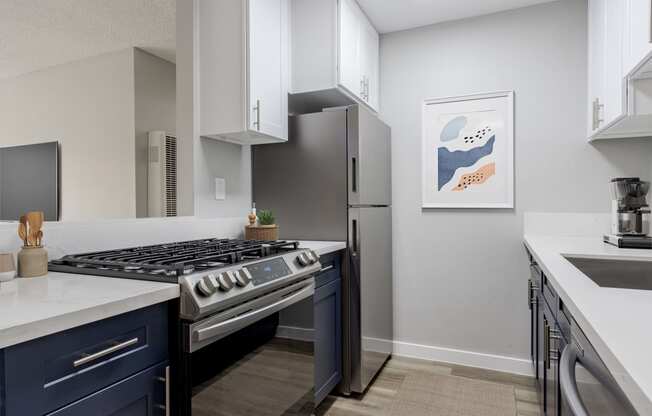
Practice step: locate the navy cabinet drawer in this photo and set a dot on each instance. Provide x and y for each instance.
(331, 266)
(328, 338)
(143, 394)
(50, 372)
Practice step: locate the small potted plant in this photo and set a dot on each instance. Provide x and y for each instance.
(266, 229)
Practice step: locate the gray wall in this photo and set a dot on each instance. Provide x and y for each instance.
(460, 274)
(155, 105)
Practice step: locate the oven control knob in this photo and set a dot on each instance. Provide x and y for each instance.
(224, 282)
(205, 286)
(303, 259)
(242, 278)
(312, 256)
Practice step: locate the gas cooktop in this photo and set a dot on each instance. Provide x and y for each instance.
(169, 262)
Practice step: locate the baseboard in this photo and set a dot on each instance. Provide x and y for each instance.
(428, 352)
(299, 334)
(467, 358)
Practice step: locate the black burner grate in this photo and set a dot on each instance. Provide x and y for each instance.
(166, 262)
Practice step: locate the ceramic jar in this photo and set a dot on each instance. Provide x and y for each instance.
(32, 261)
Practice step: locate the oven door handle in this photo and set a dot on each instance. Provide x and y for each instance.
(246, 319)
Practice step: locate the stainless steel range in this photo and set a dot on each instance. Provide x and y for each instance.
(231, 293)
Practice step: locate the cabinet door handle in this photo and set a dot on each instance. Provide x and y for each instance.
(92, 357)
(166, 406)
(168, 409)
(327, 268)
(257, 110)
(367, 88)
(597, 108)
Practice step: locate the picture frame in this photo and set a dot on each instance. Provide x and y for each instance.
(468, 151)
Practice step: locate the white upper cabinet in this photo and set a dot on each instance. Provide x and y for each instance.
(638, 33)
(244, 70)
(613, 99)
(606, 99)
(369, 63)
(350, 74)
(335, 53)
(597, 50)
(269, 66)
(619, 46)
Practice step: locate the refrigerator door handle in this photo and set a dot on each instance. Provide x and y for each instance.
(354, 174)
(354, 237)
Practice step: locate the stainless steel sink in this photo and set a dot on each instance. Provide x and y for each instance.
(623, 274)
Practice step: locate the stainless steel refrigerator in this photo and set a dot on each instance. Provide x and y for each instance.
(332, 181)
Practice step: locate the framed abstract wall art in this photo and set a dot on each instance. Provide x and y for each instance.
(468, 151)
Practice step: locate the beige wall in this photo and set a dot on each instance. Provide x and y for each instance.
(88, 106)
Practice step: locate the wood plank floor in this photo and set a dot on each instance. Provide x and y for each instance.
(380, 396)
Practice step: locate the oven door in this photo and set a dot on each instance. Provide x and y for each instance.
(586, 386)
(237, 365)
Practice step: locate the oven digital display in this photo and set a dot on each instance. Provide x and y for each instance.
(267, 271)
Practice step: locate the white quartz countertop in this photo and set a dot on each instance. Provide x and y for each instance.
(616, 321)
(323, 247)
(34, 307)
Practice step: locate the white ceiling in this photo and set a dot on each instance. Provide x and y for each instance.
(393, 15)
(36, 34)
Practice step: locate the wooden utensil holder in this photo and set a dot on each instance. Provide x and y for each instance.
(32, 261)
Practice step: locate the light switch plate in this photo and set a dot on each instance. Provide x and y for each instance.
(220, 189)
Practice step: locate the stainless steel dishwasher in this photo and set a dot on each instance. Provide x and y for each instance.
(587, 387)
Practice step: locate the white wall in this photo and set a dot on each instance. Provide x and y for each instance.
(232, 162)
(88, 106)
(187, 110)
(155, 109)
(460, 274)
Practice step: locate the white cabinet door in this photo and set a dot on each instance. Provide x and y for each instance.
(638, 33)
(268, 72)
(614, 103)
(350, 76)
(597, 20)
(370, 63)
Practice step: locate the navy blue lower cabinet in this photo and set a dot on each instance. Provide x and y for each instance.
(49, 373)
(328, 338)
(143, 394)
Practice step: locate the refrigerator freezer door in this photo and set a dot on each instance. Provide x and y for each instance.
(369, 159)
(303, 181)
(370, 282)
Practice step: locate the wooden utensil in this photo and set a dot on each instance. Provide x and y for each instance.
(35, 222)
(39, 238)
(22, 232)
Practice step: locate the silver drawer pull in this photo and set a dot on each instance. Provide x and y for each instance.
(92, 357)
(327, 268)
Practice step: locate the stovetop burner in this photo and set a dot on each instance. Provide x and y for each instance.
(168, 262)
